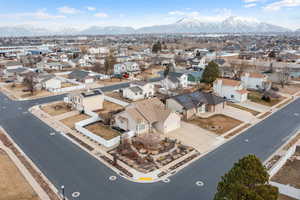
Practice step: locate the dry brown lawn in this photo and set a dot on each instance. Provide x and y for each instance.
(13, 185)
(283, 197)
(219, 123)
(70, 121)
(56, 108)
(17, 92)
(118, 95)
(289, 89)
(67, 84)
(255, 97)
(289, 174)
(102, 130)
(109, 107)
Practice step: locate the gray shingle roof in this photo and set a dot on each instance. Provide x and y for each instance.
(78, 74)
(196, 99)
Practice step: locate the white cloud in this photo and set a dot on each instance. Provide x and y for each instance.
(39, 14)
(250, 5)
(101, 15)
(275, 6)
(90, 8)
(68, 10)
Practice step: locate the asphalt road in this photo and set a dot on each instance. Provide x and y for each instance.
(67, 164)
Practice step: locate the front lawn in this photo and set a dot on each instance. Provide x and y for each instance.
(256, 97)
(102, 130)
(218, 124)
(56, 108)
(70, 121)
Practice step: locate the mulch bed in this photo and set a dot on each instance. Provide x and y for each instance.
(122, 169)
(184, 161)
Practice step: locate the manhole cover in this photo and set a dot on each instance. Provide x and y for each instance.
(75, 194)
(112, 178)
(166, 180)
(200, 183)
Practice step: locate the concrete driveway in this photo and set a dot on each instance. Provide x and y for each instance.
(238, 114)
(255, 106)
(192, 135)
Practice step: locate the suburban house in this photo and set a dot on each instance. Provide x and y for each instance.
(195, 103)
(14, 72)
(253, 80)
(175, 80)
(13, 65)
(230, 89)
(147, 116)
(138, 90)
(126, 67)
(47, 82)
(86, 101)
(81, 76)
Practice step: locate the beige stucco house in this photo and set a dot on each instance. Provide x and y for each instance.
(147, 116)
(87, 101)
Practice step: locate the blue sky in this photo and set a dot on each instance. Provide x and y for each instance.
(137, 13)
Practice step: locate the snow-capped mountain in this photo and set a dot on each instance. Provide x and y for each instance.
(184, 25)
(229, 25)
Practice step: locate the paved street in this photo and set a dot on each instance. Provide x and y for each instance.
(66, 164)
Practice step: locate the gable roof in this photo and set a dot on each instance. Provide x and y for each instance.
(135, 89)
(254, 74)
(149, 110)
(78, 74)
(197, 98)
(229, 82)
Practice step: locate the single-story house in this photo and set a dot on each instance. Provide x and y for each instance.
(230, 89)
(147, 116)
(195, 103)
(81, 76)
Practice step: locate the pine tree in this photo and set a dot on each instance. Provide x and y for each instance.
(247, 180)
(211, 73)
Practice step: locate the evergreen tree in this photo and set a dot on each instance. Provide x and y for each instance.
(156, 47)
(247, 180)
(211, 73)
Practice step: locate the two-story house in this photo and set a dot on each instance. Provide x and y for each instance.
(253, 80)
(86, 101)
(175, 80)
(230, 89)
(138, 90)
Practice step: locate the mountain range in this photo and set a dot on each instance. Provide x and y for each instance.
(185, 25)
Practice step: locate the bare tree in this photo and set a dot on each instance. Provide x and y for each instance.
(97, 67)
(30, 83)
(109, 63)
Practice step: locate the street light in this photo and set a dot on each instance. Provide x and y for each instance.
(63, 191)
